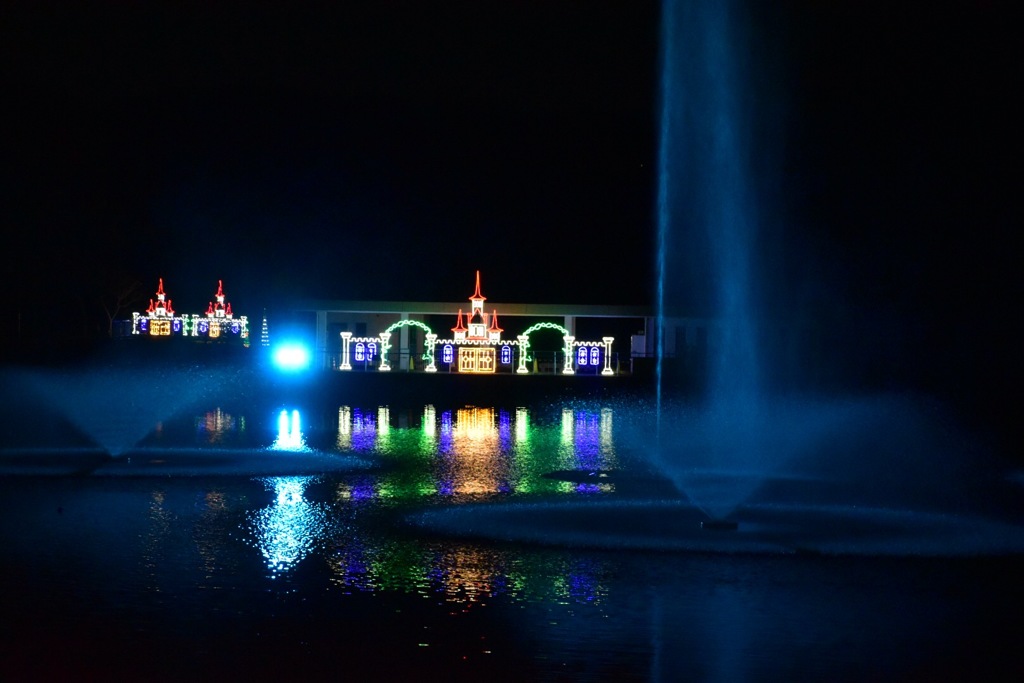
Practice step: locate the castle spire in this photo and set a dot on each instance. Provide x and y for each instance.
(477, 296)
(458, 326)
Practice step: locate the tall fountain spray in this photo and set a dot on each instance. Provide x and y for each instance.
(706, 205)
(707, 213)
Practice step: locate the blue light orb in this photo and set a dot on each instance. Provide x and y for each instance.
(291, 357)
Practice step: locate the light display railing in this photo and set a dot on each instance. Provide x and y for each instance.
(476, 356)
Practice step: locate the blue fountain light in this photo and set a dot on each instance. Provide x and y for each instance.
(291, 357)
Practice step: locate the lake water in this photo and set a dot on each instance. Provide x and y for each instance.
(283, 540)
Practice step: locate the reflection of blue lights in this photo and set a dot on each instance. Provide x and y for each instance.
(445, 443)
(364, 431)
(587, 433)
(291, 357)
(363, 490)
(583, 586)
(505, 432)
(289, 432)
(288, 530)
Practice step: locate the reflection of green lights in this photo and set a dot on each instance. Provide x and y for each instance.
(522, 426)
(567, 425)
(478, 454)
(461, 574)
(344, 428)
(429, 422)
(394, 488)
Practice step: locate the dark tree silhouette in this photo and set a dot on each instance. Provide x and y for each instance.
(120, 293)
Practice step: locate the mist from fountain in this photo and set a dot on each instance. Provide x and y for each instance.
(107, 418)
(110, 407)
(717, 216)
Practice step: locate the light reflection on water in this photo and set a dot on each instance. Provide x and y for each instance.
(474, 451)
(289, 432)
(218, 426)
(291, 527)
(252, 571)
(461, 454)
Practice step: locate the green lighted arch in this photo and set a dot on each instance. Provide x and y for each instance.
(545, 326)
(533, 328)
(406, 323)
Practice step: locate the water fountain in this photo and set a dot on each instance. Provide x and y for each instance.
(105, 419)
(763, 471)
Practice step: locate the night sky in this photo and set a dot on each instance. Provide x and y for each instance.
(343, 150)
(390, 149)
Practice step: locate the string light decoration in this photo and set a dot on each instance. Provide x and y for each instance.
(264, 331)
(476, 345)
(220, 321)
(160, 320)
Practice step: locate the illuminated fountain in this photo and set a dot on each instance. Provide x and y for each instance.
(755, 471)
(110, 420)
(107, 410)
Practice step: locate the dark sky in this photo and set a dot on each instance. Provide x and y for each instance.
(339, 150)
(390, 149)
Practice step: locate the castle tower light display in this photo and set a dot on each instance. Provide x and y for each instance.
(477, 325)
(219, 322)
(476, 345)
(493, 331)
(159, 319)
(459, 331)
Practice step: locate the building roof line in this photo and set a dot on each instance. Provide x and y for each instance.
(446, 308)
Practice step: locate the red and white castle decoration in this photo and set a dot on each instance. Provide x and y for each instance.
(160, 320)
(478, 340)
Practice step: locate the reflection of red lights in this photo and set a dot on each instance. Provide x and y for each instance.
(216, 424)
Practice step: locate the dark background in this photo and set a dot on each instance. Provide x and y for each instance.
(390, 149)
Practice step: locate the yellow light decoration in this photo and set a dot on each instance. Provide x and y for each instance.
(476, 359)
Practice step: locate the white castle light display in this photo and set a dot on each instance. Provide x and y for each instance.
(476, 346)
(160, 320)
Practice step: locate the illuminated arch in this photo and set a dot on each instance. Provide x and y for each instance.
(428, 342)
(405, 323)
(546, 326)
(524, 342)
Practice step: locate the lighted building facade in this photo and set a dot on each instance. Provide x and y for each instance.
(475, 346)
